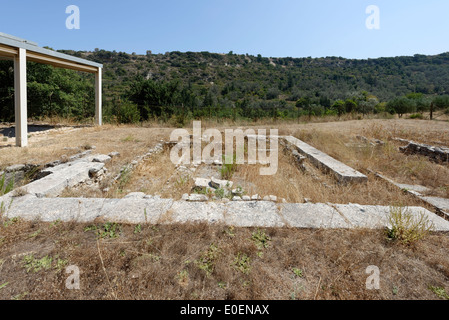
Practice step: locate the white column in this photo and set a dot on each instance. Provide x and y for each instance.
(98, 98)
(20, 98)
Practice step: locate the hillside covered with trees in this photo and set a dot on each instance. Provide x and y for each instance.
(190, 85)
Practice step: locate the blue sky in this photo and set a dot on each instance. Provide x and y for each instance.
(282, 28)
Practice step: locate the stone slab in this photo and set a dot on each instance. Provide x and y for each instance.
(61, 177)
(252, 214)
(312, 215)
(241, 214)
(375, 217)
(441, 204)
(341, 171)
(182, 212)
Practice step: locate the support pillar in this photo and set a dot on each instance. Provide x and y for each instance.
(20, 98)
(98, 98)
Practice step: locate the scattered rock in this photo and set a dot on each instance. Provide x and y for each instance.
(198, 197)
(185, 197)
(114, 154)
(298, 157)
(236, 198)
(256, 197)
(135, 195)
(201, 183)
(93, 172)
(15, 168)
(246, 198)
(220, 184)
(434, 153)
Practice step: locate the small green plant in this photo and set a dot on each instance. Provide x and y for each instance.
(395, 290)
(228, 168)
(35, 265)
(183, 278)
(261, 239)
(440, 292)
(406, 227)
(60, 264)
(2, 209)
(242, 263)
(55, 223)
(109, 230)
(155, 257)
(206, 261)
(124, 178)
(239, 190)
(34, 234)
(20, 296)
(298, 272)
(222, 285)
(137, 229)
(11, 221)
(230, 231)
(129, 138)
(6, 187)
(3, 285)
(181, 182)
(2, 183)
(220, 193)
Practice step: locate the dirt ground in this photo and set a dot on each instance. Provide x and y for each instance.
(202, 262)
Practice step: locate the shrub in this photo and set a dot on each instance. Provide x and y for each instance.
(416, 116)
(127, 112)
(406, 227)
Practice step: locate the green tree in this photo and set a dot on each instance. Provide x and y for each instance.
(339, 107)
(401, 105)
(305, 104)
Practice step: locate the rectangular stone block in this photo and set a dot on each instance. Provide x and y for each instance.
(341, 171)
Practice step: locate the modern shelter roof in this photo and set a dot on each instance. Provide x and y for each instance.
(9, 48)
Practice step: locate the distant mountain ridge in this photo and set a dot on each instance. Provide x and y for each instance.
(287, 78)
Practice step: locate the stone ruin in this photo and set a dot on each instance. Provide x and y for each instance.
(437, 154)
(39, 199)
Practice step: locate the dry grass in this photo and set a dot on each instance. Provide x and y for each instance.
(338, 139)
(157, 176)
(295, 185)
(199, 261)
(129, 141)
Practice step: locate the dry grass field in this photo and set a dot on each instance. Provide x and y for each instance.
(201, 262)
(198, 261)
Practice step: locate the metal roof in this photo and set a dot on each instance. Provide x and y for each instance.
(16, 42)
